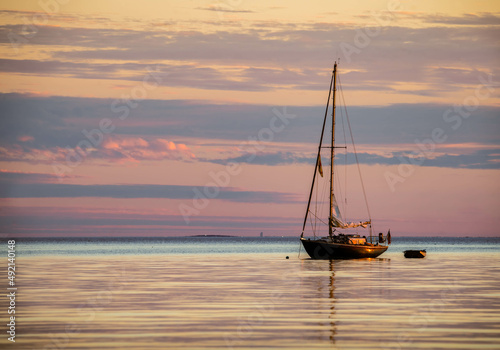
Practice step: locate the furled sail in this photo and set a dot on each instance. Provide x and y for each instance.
(358, 224)
(340, 224)
(320, 167)
(337, 221)
(335, 206)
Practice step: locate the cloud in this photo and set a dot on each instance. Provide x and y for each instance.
(9, 177)
(34, 17)
(68, 221)
(270, 55)
(70, 69)
(49, 190)
(222, 7)
(137, 149)
(480, 159)
(46, 129)
(112, 148)
(468, 19)
(267, 158)
(185, 75)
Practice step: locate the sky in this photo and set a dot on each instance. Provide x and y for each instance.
(174, 118)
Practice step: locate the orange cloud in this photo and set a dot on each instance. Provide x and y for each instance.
(25, 138)
(137, 148)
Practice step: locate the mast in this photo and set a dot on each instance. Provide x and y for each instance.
(319, 150)
(332, 153)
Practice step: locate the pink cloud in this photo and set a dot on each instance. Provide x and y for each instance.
(113, 148)
(137, 148)
(25, 138)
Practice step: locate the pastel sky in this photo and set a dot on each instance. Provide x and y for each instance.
(117, 118)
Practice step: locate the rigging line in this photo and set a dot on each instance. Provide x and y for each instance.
(321, 194)
(356, 156)
(342, 189)
(319, 219)
(325, 194)
(345, 153)
(342, 192)
(332, 152)
(339, 190)
(312, 226)
(345, 184)
(316, 208)
(319, 149)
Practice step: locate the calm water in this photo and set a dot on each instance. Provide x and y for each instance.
(241, 293)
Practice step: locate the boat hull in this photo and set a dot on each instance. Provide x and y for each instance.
(414, 254)
(321, 249)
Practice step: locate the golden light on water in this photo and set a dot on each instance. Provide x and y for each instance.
(262, 301)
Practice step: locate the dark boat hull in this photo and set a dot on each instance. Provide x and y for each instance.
(414, 254)
(321, 249)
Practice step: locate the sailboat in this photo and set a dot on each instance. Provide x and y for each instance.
(339, 244)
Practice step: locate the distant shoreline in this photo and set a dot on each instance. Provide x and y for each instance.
(212, 236)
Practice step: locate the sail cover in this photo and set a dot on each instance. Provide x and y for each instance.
(335, 206)
(320, 167)
(340, 224)
(337, 222)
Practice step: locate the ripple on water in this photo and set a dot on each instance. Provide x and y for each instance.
(445, 301)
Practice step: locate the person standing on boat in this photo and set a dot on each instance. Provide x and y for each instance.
(381, 237)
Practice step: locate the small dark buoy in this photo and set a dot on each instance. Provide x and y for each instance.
(287, 257)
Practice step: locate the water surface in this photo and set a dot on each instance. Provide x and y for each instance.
(239, 293)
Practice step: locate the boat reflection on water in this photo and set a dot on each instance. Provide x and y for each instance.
(320, 280)
(331, 298)
(343, 291)
(196, 301)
